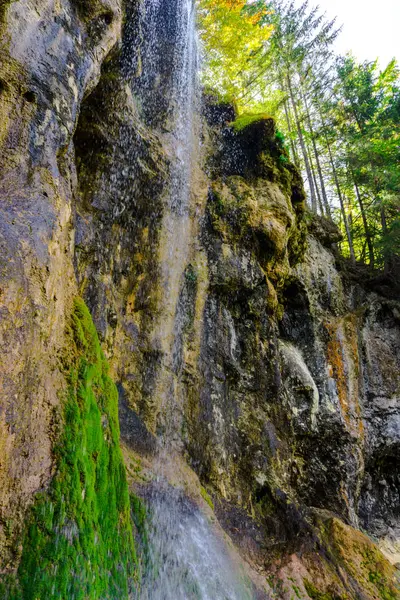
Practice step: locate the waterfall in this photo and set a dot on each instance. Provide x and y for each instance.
(187, 561)
(168, 95)
(185, 558)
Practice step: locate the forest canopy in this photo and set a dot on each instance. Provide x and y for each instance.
(340, 117)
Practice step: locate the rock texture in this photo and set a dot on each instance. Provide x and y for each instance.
(51, 56)
(273, 373)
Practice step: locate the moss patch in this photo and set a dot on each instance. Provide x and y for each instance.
(206, 497)
(249, 119)
(315, 594)
(79, 542)
(4, 4)
(359, 560)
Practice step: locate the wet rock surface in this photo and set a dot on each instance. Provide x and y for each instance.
(283, 371)
(51, 55)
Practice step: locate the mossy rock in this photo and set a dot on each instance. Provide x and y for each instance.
(258, 217)
(78, 543)
(316, 594)
(206, 497)
(218, 110)
(324, 230)
(4, 5)
(356, 556)
(91, 9)
(262, 121)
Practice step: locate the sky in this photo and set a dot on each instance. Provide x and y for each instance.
(371, 28)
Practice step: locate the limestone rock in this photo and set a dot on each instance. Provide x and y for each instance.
(283, 369)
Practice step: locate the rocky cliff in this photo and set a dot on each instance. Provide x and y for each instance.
(249, 366)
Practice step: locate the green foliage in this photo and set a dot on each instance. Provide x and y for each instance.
(234, 40)
(366, 124)
(341, 119)
(247, 119)
(79, 544)
(282, 145)
(315, 594)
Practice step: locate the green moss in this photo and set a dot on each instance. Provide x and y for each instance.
(191, 275)
(90, 9)
(78, 543)
(377, 576)
(140, 518)
(248, 119)
(9, 587)
(4, 4)
(296, 591)
(357, 556)
(206, 497)
(315, 594)
(380, 583)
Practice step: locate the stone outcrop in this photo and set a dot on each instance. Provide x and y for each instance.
(274, 374)
(50, 58)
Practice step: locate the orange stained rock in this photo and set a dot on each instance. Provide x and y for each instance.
(344, 368)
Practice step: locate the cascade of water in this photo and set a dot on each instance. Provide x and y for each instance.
(181, 147)
(168, 93)
(187, 561)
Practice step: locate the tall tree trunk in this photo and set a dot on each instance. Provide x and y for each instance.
(303, 146)
(289, 126)
(320, 205)
(342, 205)
(317, 160)
(386, 257)
(339, 191)
(367, 232)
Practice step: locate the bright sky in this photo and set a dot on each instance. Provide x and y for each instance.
(371, 28)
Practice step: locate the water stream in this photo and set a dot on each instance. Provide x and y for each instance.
(186, 560)
(168, 91)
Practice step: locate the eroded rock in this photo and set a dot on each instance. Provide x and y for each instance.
(274, 374)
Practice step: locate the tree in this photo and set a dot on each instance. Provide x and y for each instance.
(234, 36)
(300, 42)
(366, 115)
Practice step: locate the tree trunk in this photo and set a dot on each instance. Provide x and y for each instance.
(339, 192)
(386, 257)
(320, 205)
(318, 163)
(368, 237)
(292, 144)
(303, 146)
(342, 206)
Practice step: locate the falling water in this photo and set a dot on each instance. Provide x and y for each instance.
(168, 90)
(186, 560)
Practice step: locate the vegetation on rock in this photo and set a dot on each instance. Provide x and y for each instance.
(78, 542)
(341, 118)
(367, 572)
(263, 372)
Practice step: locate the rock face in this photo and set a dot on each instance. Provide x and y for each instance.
(230, 328)
(51, 55)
